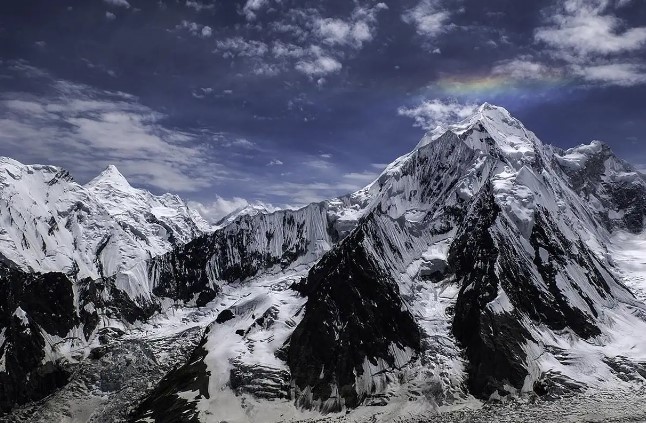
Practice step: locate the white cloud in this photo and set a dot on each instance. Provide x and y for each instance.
(523, 68)
(275, 162)
(95, 128)
(195, 28)
(238, 46)
(318, 164)
(581, 28)
(198, 6)
(361, 179)
(218, 208)
(299, 38)
(202, 92)
(622, 74)
(252, 7)
(359, 28)
(118, 3)
(318, 65)
(434, 115)
(429, 17)
(110, 16)
(311, 192)
(240, 143)
(592, 42)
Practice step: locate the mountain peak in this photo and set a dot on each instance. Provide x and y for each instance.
(507, 132)
(110, 175)
(491, 110)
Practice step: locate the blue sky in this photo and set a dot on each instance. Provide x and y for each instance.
(293, 101)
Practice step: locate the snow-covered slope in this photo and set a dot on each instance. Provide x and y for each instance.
(51, 223)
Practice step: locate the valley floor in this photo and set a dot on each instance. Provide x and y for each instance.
(597, 407)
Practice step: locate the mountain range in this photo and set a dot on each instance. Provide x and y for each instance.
(481, 266)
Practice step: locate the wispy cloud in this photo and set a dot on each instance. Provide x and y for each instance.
(118, 3)
(622, 74)
(195, 28)
(220, 207)
(582, 28)
(319, 64)
(525, 68)
(429, 17)
(434, 115)
(359, 28)
(592, 42)
(199, 6)
(252, 7)
(76, 125)
(300, 39)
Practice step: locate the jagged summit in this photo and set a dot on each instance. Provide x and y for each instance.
(494, 131)
(112, 176)
(497, 120)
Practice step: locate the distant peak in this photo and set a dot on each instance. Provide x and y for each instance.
(110, 175)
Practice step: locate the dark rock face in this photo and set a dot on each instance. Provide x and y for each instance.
(224, 316)
(104, 297)
(182, 273)
(239, 251)
(487, 262)
(163, 405)
(260, 381)
(553, 308)
(353, 312)
(492, 341)
(29, 305)
(32, 304)
(631, 199)
(625, 196)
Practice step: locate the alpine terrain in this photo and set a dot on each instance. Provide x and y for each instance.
(482, 267)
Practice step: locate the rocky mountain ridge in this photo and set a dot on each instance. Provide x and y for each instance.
(477, 266)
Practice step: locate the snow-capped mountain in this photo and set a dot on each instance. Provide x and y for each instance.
(483, 264)
(50, 223)
(56, 239)
(473, 266)
(248, 210)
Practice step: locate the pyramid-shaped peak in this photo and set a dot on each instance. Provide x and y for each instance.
(110, 175)
(493, 129)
